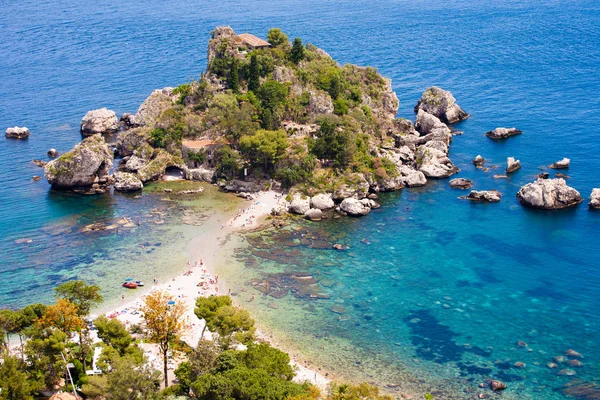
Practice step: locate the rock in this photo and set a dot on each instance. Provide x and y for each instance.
(512, 165)
(575, 363)
(461, 183)
(497, 385)
(573, 353)
(521, 343)
(126, 182)
(548, 194)
(158, 101)
(543, 175)
(519, 364)
(100, 121)
(87, 164)
(566, 372)
(442, 104)
(319, 102)
(354, 207)
(560, 359)
(492, 196)
(551, 365)
(562, 164)
(156, 167)
(359, 189)
(503, 133)
(127, 120)
(499, 176)
(559, 175)
(595, 199)
(52, 153)
(133, 140)
(411, 177)
(236, 185)
(322, 202)
(314, 214)
(135, 163)
(299, 204)
(39, 163)
(433, 161)
(478, 160)
(428, 124)
(17, 133)
(200, 174)
(36, 178)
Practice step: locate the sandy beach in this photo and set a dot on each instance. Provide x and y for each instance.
(200, 279)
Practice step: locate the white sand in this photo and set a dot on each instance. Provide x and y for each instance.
(185, 287)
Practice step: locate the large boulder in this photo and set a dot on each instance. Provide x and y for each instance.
(492, 196)
(236, 185)
(429, 125)
(101, 121)
(314, 214)
(322, 202)
(126, 182)
(595, 199)
(200, 174)
(156, 167)
(158, 101)
(549, 194)
(132, 140)
(354, 207)
(300, 204)
(89, 162)
(319, 102)
(512, 165)
(478, 161)
(411, 177)
(561, 164)
(17, 133)
(503, 133)
(442, 104)
(433, 161)
(358, 188)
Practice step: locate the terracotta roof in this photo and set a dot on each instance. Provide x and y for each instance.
(253, 40)
(202, 143)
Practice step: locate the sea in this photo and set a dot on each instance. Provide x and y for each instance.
(434, 294)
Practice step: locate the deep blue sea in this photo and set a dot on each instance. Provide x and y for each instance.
(446, 288)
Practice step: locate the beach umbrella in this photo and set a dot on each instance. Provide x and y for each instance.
(171, 303)
(128, 279)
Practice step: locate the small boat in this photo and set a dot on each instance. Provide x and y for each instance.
(130, 285)
(139, 283)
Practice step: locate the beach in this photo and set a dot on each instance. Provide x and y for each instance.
(200, 280)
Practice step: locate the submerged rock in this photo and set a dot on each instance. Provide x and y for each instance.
(543, 175)
(314, 214)
(573, 353)
(503, 133)
(497, 385)
(561, 164)
(492, 196)
(17, 133)
(101, 121)
(442, 104)
(354, 207)
(512, 165)
(87, 164)
(461, 183)
(595, 199)
(126, 182)
(548, 194)
(566, 372)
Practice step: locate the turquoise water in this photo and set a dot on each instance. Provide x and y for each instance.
(510, 273)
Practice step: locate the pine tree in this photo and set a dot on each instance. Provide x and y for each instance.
(234, 77)
(297, 53)
(254, 76)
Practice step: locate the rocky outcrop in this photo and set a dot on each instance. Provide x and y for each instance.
(87, 164)
(158, 101)
(52, 153)
(200, 174)
(100, 121)
(549, 194)
(461, 183)
(431, 126)
(478, 161)
(386, 106)
(236, 185)
(512, 165)
(561, 164)
(433, 161)
(156, 167)
(319, 102)
(17, 133)
(355, 207)
(442, 104)
(127, 121)
(132, 140)
(299, 204)
(412, 178)
(322, 202)
(503, 133)
(595, 199)
(359, 188)
(314, 214)
(492, 196)
(126, 182)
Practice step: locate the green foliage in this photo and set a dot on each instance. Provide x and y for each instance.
(429, 396)
(272, 94)
(233, 79)
(273, 361)
(264, 148)
(183, 91)
(227, 162)
(201, 360)
(363, 391)
(81, 294)
(340, 107)
(276, 37)
(43, 352)
(15, 382)
(228, 321)
(297, 53)
(113, 333)
(157, 137)
(198, 156)
(254, 74)
(230, 118)
(335, 142)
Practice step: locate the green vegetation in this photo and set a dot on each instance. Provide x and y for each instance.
(276, 37)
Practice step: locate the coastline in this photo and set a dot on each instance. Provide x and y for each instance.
(203, 253)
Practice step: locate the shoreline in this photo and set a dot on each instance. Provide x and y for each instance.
(203, 253)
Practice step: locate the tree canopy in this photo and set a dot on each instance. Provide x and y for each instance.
(276, 37)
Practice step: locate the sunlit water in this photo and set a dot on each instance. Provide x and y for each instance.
(445, 288)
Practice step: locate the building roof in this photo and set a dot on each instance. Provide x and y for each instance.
(202, 143)
(253, 41)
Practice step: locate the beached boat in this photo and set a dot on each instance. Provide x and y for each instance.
(139, 283)
(130, 285)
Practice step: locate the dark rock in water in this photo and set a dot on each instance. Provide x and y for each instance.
(17, 133)
(39, 163)
(492, 196)
(521, 343)
(580, 389)
(512, 165)
(573, 353)
(566, 372)
(575, 363)
(560, 359)
(337, 309)
(52, 153)
(549, 194)
(519, 364)
(559, 175)
(497, 385)
(36, 178)
(461, 183)
(477, 161)
(503, 133)
(561, 164)
(543, 175)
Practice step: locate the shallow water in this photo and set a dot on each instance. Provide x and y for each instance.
(510, 273)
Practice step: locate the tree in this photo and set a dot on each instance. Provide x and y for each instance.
(265, 147)
(233, 323)
(113, 333)
(274, 361)
(297, 53)
(363, 391)
(62, 316)
(84, 297)
(15, 382)
(276, 37)
(44, 353)
(206, 308)
(271, 94)
(334, 142)
(9, 325)
(200, 361)
(254, 74)
(233, 80)
(164, 322)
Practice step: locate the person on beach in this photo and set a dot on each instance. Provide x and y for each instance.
(123, 298)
